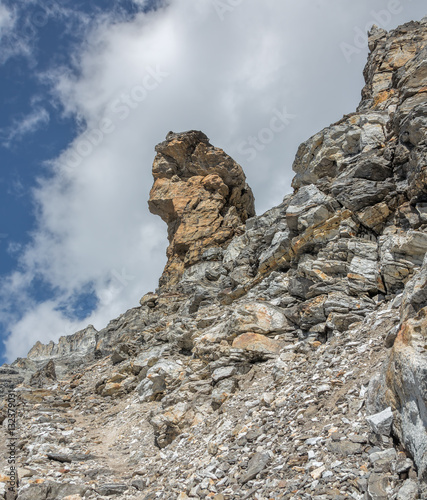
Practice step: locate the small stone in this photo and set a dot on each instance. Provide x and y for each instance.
(323, 388)
(149, 300)
(111, 389)
(256, 464)
(256, 343)
(403, 465)
(59, 458)
(383, 457)
(24, 473)
(378, 487)
(267, 398)
(358, 439)
(183, 496)
(313, 441)
(380, 423)
(344, 447)
(112, 489)
(212, 448)
(139, 484)
(317, 473)
(223, 372)
(409, 490)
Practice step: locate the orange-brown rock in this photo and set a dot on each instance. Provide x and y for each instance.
(256, 343)
(202, 195)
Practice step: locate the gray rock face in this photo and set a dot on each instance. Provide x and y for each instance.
(402, 383)
(80, 342)
(247, 372)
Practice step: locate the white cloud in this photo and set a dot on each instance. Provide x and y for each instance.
(183, 67)
(10, 45)
(28, 124)
(6, 20)
(22, 25)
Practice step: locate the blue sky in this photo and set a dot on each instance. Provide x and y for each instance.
(89, 88)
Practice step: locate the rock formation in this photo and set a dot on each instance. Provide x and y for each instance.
(284, 356)
(202, 195)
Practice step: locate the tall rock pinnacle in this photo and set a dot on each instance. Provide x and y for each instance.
(202, 195)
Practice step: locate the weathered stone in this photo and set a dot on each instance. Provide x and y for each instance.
(415, 293)
(112, 489)
(149, 300)
(385, 457)
(344, 447)
(356, 194)
(380, 423)
(123, 351)
(375, 217)
(33, 492)
(307, 198)
(256, 465)
(224, 372)
(259, 318)
(147, 359)
(111, 389)
(223, 391)
(69, 458)
(256, 343)
(378, 487)
(157, 379)
(409, 491)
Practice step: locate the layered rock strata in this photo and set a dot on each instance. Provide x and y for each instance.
(283, 355)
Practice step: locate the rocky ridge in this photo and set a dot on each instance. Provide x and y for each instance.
(283, 355)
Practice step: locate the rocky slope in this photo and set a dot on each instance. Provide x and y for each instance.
(284, 356)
